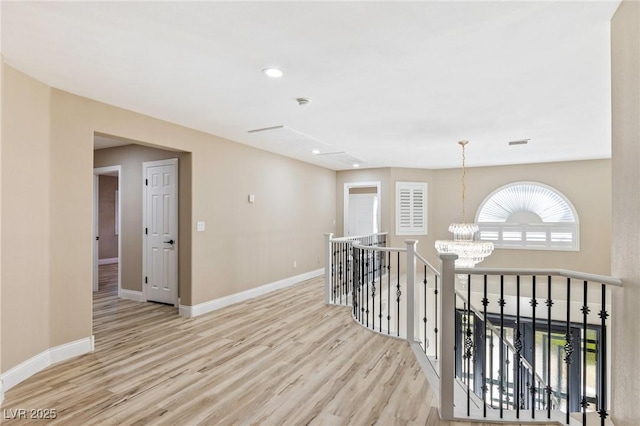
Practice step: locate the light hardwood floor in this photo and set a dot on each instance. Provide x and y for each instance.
(282, 359)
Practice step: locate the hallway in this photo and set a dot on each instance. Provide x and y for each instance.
(285, 358)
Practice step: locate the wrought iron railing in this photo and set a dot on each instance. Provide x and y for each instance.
(373, 280)
(427, 301)
(489, 363)
(339, 264)
(529, 345)
(552, 347)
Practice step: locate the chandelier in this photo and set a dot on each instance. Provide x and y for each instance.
(469, 250)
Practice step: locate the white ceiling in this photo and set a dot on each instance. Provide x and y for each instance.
(391, 83)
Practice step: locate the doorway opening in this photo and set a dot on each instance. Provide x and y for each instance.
(361, 208)
(107, 248)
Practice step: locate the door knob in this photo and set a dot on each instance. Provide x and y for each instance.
(169, 242)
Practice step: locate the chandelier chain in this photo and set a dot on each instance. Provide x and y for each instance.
(464, 173)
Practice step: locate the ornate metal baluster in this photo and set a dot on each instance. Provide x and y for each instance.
(485, 302)
(468, 344)
(533, 388)
(380, 281)
(373, 291)
(341, 275)
(501, 303)
(363, 279)
(398, 294)
(367, 278)
(334, 272)
(354, 296)
(518, 345)
(585, 312)
(389, 294)
(549, 303)
(347, 263)
(568, 350)
(459, 343)
(602, 399)
(424, 318)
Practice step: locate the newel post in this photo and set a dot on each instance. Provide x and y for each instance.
(411, 280)
(327, 267)
(447, 336)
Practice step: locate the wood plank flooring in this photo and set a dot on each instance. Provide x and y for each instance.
(282, 359)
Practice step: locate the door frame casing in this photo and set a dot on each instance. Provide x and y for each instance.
(97, 171)
(145, 166)
(345, 208)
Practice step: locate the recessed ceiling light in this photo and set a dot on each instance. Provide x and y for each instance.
(315, 152)
(272, 72)
(356, 165)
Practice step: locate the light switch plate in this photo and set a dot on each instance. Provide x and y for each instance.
(200, 226)
(252, 198)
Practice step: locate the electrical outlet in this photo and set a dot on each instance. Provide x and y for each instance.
(295, 264)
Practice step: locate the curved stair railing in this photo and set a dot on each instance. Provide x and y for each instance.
(527, 344)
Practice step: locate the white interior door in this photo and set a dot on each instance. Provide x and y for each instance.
(161, 231)
(361, 208)
(362, 214)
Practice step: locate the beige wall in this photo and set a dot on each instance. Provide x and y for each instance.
(26, 197)
(585, 183)
(1, 131)
(625, 253)
(108, 243)
(131, 157)
(46, 277)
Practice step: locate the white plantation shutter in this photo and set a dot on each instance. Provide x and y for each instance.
(529, 215)
(411, 208)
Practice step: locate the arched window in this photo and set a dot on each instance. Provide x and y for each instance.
(529, 215)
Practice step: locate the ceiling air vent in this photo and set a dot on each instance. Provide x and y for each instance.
(520, 142)
(343, 158)
(287, 141)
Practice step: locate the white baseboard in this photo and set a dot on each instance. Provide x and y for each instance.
(107, 261)
(69, 350)
(134, 295)
(213, 305)
(43, 360)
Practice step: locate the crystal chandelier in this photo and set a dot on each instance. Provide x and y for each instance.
(469, 251)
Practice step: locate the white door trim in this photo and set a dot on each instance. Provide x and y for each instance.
(96, 172)
(349, 185)
(145, 166)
